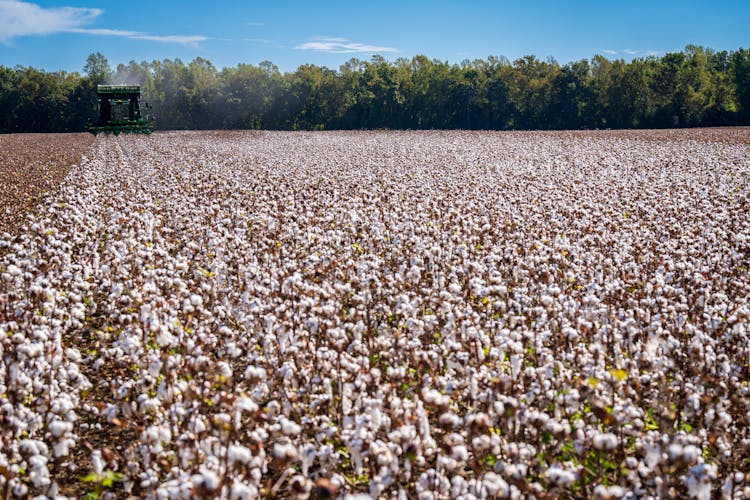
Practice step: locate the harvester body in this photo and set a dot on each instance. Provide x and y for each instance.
(119, 111)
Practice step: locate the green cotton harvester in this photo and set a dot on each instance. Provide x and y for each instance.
(119, 111)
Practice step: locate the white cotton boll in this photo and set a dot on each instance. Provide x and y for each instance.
(60, 427)
(605, 442)
(242, 491)
(240, 454)
(691, 453)
(199, 425)
(255, 373)
(433, 397)
(481, 443)
(460, 453)
(97, 462)
(62, 447)
(516, 361)
(724, 419)
(495, 485)
(499, 408)
(448, 464)
(224, 369)
(73, 355)
(699, 481)
(246, 404)
(208, 480)
(196, 300)
(450, 420)
(290, 428)
(20, 490)
(615, 491)
(37, 462)
(111, 412)
(164, 338)
(232, 349)
(40, 477)
(560, 476)
(284, 451)
(674, 452)
(33, 447)
(458, 487)
(570, 333)
(653, 455)
(546, 300)
(154, 324)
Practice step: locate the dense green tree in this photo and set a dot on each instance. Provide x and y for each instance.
(693, 87)
(97, 69)
(739, 72)
(8, 99)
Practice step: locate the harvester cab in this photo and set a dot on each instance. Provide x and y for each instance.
(119, 111)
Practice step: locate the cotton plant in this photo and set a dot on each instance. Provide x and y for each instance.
(368, 313)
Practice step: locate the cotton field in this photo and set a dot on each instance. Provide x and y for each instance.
(382, 314)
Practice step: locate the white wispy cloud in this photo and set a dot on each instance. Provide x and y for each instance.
(19, 18)
(341, 46)
(23, 18)
(138, 35)
(631, 52)
(258, 40)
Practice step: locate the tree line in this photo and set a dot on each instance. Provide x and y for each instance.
(694, 87)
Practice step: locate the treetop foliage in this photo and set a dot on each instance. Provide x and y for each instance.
(694, 87)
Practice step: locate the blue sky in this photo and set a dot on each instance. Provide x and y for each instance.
(56, 35)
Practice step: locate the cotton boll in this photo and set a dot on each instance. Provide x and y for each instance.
(284, 451)
(246, 404)
(605, 442)
(561, 477)
(240, 491)
(255, 373)
(97, 462)
(450, 420)
(59, 427)
(239, 454)
(289, 427)
(459, 453)
(62, 447)
(207, 479)
(691, 453)
(495, 485)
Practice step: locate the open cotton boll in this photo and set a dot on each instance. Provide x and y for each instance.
(289, 428)
(59, 427)
(239, 454)
(605, 442)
